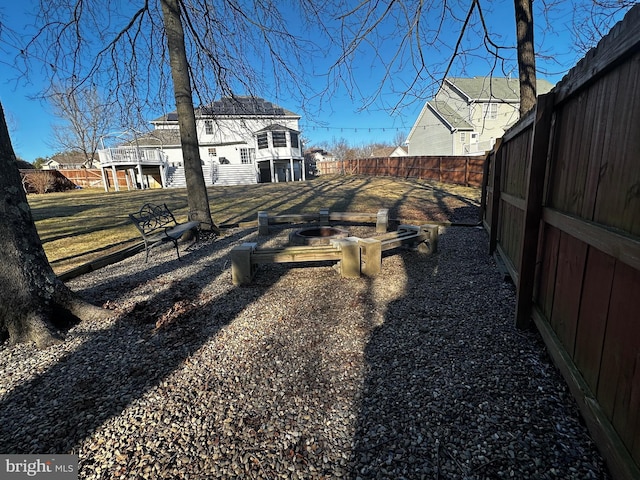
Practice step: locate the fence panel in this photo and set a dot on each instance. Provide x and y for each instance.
(458, 170)
(561, 202)
(87, 177)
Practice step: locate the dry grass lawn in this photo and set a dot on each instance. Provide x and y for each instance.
(78, 226)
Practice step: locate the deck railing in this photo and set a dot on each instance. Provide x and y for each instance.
(132, 156)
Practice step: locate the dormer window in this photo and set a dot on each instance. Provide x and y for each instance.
(208, 127)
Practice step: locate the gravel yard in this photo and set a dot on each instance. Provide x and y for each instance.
(417, 373)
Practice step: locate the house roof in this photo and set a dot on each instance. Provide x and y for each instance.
(277, 128)
(67, 158)
(492, 88)
(449, 115)
(161, 137)
(387, 151)
(382, 152)
(234, 106)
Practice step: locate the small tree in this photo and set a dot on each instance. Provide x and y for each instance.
(38, 162)
(42, 181)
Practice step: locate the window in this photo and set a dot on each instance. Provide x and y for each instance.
(263, 141)
(212, 153)
(208, 127)
(463, 137)
(279, 139)
(247, 155)
(294, 140)
(490, 111)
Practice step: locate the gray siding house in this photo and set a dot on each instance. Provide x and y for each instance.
(467, 115)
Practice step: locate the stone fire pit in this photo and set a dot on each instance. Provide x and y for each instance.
(314, 236)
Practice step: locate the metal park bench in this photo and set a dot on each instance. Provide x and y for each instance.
(157, 225)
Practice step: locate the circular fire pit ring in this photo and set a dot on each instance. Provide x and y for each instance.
(314, 236)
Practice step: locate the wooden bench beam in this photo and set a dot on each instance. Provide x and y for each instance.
(324, 217)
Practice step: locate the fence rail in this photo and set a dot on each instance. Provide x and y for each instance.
(561, 203)
(457, 170)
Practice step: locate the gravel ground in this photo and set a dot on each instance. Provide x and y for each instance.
(417, 373)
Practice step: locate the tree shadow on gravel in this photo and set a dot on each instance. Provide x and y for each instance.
(115, 365)
(454, 391)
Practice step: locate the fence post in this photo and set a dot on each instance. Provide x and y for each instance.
(466, 171)
(542, 128)
(485, 183)
(495, 199)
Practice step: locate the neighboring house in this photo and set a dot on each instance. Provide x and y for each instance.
(318, 155)
(467, 115)
(314, 155)
(67, 161)
(384, 152)
(242, 140)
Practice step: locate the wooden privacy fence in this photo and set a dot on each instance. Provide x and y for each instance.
(561, 202)
(92, 177)
(457, 170)
(84, 177)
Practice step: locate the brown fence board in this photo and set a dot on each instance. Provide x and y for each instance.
(572, 254)
(595, 152)
(621, 353)
(594, 309)
(510, 231)
(515, 168)
(618, 202)
(548, 270)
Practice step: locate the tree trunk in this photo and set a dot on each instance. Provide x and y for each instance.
(526, 55)
(196, 188)
(33, 301)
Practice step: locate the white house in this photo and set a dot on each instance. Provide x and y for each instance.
(242, 140)
(467, 115)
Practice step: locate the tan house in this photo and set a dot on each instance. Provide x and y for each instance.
(385, 152)
(467, 115)
(69, 160)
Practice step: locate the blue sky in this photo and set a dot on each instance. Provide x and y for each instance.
(344, 114)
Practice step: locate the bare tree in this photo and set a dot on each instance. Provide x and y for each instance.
(417, 30)
(33, 301)
(399, 138)
(198, 199)
(593, 19)
(86, 119)
(526, 55)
